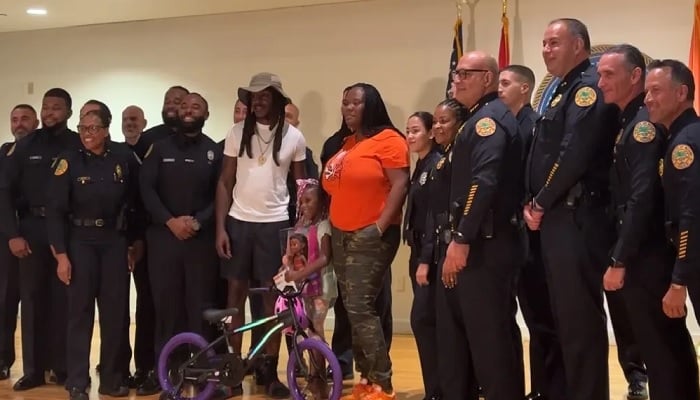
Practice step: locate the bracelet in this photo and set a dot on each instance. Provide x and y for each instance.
(378, 228)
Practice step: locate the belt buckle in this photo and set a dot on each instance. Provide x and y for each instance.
(99, 223)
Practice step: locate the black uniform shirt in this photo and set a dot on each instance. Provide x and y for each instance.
(179, 176)
(417, 206)
(486, 165)
(681, 182)
(573, 141)
(155, 135)
(26, 172)
(527, 118)
(636, 185)
(438, 216)
(140, 147)
(86, 186)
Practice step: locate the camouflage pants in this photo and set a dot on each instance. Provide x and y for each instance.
(362, 259)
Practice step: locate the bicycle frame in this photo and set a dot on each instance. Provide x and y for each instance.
(281, 319)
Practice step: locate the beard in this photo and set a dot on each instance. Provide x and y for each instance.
(190, 127)
(171, 122)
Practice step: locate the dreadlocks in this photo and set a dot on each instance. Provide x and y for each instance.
(276, 118)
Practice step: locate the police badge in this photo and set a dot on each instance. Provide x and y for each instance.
(423, 178)
(210, 155)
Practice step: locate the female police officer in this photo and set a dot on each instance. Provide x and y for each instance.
(93, 190)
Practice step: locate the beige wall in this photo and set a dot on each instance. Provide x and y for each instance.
(401, 46)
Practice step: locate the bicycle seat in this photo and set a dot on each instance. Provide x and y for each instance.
(216, 315)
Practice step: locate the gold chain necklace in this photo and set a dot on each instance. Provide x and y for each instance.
(261, 157)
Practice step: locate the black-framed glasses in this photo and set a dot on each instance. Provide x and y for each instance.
(466, 73)
(89, 128)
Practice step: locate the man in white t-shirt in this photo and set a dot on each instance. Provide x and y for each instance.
(251, 205)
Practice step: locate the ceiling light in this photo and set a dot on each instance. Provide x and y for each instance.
(36, 11)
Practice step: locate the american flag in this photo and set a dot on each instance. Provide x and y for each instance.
(456, 53)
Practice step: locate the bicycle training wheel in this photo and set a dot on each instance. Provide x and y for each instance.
(178, 384)
(312, 384)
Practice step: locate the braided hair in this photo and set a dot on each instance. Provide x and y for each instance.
(461, 112)
(276, 117)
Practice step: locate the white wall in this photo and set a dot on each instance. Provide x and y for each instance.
(401, 46)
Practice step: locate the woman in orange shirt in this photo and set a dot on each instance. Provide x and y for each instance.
(367, 181)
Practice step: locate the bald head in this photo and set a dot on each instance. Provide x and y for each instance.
(475, 76)
(133, 123)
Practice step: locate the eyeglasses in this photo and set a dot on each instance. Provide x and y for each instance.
(89, 128)
(465, 73)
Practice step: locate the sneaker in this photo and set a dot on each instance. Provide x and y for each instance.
(359, 391)
(378, 393)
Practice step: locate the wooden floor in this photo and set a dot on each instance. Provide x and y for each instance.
(407, 375)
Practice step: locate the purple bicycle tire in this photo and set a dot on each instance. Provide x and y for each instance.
(322, 347)
(163, 375)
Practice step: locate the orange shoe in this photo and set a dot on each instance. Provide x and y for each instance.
(359, 392)
(378, 394)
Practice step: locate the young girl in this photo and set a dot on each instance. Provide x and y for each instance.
(308, 257)
(321, 291)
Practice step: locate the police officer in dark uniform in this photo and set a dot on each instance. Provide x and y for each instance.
(133, 124)
(567, 178)
(23, 193)
(94, 190)
(516, 83)
(642, 259)
(178, 185)
(171, 105)
(23, 121)
(422, 269)
(485, 246)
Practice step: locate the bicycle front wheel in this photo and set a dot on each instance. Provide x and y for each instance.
(315, 356)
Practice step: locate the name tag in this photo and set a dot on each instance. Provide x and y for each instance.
(35, 158)
(189, 160)
(168, 160)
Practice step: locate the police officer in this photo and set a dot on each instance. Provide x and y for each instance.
(23, 193)
(93, 191)
(171, 105)
(23, 121)
(515, 86)
(422, 269)
(485, 251)
(567, 178)
(642, 259)
(178, 184)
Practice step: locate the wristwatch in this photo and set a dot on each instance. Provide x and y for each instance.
(616, 263)
(458, 238)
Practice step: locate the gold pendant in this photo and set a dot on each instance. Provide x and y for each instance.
(261, 160)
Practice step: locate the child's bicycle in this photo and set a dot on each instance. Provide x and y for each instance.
(188, 363)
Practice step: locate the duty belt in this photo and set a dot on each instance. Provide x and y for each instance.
(93, 223)
(32, 211)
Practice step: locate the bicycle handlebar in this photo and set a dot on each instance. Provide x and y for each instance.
(287, 293)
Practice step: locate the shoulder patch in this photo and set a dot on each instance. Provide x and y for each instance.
(585, 96)
(148, 152)
(682, 156)
(644, 132)
(61, 168)
(12, 149)
(485, 127)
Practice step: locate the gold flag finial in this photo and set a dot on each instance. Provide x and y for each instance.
(505, 7)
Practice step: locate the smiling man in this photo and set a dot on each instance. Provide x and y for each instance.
(251, 205)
